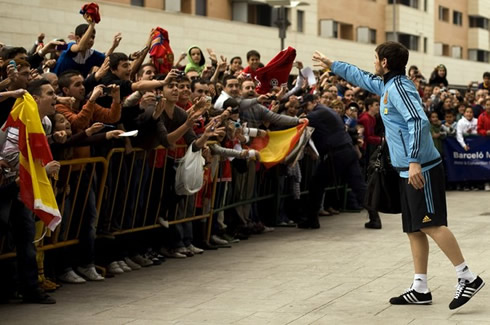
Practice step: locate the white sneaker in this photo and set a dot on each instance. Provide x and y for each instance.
(134, 266)
(71, 277)
(487, 186)
(194, 250)
(124, 266)
(114, 268)
(90, 273)
(170, 253)
(218, 241)
(141, 260)
(185, 251)
(268, 229)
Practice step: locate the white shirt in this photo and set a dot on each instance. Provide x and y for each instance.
(465, 127)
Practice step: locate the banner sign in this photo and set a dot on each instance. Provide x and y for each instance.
(471, 165)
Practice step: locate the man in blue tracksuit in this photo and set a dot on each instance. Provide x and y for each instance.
(419, 164)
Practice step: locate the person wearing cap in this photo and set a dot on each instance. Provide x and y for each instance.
(332, 142)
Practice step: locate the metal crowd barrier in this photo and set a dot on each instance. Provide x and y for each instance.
(127, 190)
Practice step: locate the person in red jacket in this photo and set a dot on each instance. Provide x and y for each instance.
(483, 126)
(253, 60)
(368, 120)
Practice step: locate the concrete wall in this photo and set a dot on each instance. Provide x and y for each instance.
(21, 21)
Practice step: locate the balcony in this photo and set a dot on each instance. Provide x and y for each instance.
(478, 38)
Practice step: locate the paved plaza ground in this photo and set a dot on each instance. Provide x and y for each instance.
(339, 274)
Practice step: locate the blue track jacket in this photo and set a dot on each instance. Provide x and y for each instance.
(407, 127)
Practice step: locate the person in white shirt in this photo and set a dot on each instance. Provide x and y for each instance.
(466, 126)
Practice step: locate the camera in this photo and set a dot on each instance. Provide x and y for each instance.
(158, 98)
(61, 47)
(106, 91)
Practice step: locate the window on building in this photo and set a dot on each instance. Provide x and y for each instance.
(457, 52)
(425, 5)
(478, 55)
(409, 3)
(445, 50)
(411, 42)
(366, 35)
(425, 44)
(201, 7)
(478, 22)
(172, 5)
(258, 14)
(239, 12)
(262, 13)
(300, 20)
(457, 18)
(139, 3)
(329, 28)
(441, 49)
(438, 49)
(346, 31)
(443, 14)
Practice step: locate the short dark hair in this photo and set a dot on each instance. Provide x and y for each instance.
(234, 58)
(230, 102)
(449, 112)
(64, 80)
(183, 78)
(252, 53)
(12, 52)
(20, 63)
(395, 54)
(369, 102)
(198, 81)
(115, 58)
(486, 75)
(140, 71)
(228, 77)
(81, 29)
(34, 87)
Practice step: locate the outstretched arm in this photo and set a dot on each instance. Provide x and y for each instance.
(351, 73)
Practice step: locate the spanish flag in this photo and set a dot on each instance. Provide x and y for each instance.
(276, 145)
(34, 152)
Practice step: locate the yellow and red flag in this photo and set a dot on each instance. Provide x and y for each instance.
(36, 191)
(276, 145)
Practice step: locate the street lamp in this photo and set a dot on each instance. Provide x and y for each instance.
(282, 21)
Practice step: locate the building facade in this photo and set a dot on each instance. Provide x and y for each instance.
(454, 33)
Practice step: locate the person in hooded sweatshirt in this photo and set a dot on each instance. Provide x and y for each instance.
(196, 60)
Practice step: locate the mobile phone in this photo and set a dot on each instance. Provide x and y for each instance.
(273, 97)
(106, 91)
(12, 62)
(61, 47)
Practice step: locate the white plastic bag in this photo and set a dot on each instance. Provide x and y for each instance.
(189, 176)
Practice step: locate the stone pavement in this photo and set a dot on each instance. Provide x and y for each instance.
(339, 274)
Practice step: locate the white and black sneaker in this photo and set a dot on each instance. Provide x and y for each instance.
(412, 297)
(465, 291)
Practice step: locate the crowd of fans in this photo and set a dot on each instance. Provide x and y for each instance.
(87, 99)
